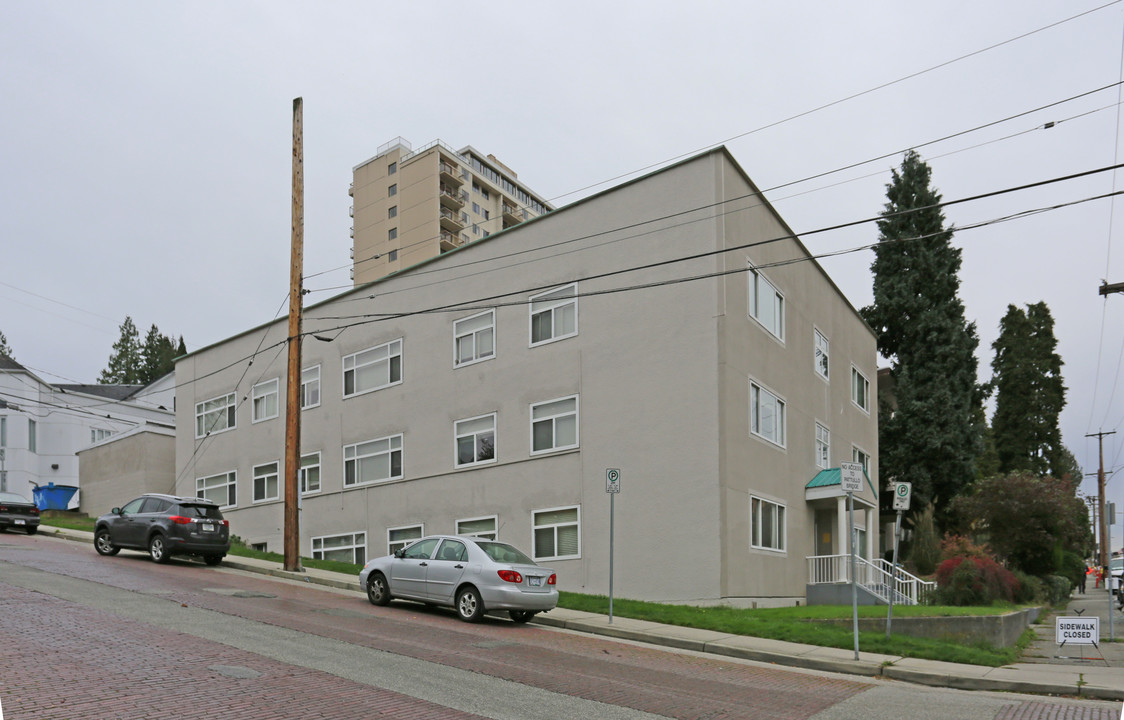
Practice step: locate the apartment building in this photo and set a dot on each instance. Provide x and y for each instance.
(411, 205)
(671, 327)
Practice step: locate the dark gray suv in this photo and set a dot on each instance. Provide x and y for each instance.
(163, 526)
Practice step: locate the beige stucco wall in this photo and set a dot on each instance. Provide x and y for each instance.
(114, 472)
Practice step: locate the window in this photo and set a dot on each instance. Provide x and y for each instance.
(221, 488)
(266, 485)
(478, 527)
(392, 190)
(348, 548)
(766, 305)
(213, 416)
(766, 414)
(554, 315)
(3, 432)
(861, 457)
(484, 192)
(392, 212)
(860, 390)
(475, 229)
(398, 538)
(475, 440)
(265, 400)
(310, 387)
(464, 218)
(767, 524)
(392, 256)
(474, 338)
(98, 434)
(823, 447)
(557, 536)
(260, 547)
(554, 425)
(487, 214)
(32, 440)
(392, 234)
(392, 168)
(373, 461)
(372, 369)
(821, 354)
(310, 473)
(476, 208)
(486, 233)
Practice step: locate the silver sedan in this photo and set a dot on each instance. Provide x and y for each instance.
(472, 574)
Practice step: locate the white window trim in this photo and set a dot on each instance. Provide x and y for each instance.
(255, 394)
(232, 476)
(391, 478)
(457, 437)
(476, 357)
(495, 525)
(232, 401)
(577, 425)
(754, 524)
(817, 335)
(855, 450)
(535, 527)
(319, 387)
(421, 533)
(827, 459)
(352, 547)
(254, 482)
(783, 421)
(556, 304)
(302, 468)
(389, 357)
(751, 305)
(866, 383)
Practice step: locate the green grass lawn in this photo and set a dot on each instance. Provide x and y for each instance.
(793, 624)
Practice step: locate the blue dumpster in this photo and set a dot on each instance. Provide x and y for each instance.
(53, 497)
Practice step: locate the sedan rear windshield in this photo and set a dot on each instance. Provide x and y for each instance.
(504, 553)
(201, 511)
(12, 498)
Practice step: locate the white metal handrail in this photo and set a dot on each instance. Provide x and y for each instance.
(876, 576)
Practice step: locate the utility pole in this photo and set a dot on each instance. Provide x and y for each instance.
(1102, 556)
(293, 385)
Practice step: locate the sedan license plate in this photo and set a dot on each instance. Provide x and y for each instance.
(534, 581)
(20, 522)
(208, 527)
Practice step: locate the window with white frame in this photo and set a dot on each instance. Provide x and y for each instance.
(32, 436)
(860, 456)
(310, 387)
(860, 389)
(215, 415)
(766, 414)
(265, 400)
(221, 488)
(766, 305)
(557, 534)
(474, 338)
(554, 315)
(310, 473)
(554, 425)
(475, 440)
(823, 447)
(348, 548)
(372, 369)
(400, 537)
(478, 527)
(373, 461)
(822, 354)
(767, 524)
(99, 434)
(3, 432)
(266, 485)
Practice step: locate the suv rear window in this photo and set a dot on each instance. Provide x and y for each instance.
(201, 511)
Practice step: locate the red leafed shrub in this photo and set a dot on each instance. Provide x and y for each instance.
(966, 580)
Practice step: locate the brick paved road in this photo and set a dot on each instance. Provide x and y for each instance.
(124, 638)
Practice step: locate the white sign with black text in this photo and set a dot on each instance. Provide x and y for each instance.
(1078, 630)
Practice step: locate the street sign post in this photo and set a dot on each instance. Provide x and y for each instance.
(613, 488)
(903, 492)
(851, 477)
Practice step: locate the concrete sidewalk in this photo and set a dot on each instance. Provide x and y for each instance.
(1046, 670)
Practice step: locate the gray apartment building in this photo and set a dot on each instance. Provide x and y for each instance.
(672, 327)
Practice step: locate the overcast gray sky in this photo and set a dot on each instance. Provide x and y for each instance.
(145, 146)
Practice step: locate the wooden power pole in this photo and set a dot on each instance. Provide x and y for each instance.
(1102, 524)
(293, 384)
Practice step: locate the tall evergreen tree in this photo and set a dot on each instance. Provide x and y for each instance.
(158, 356)
(1029, 393)
(5, 351)
(932, 436)
(125, 361)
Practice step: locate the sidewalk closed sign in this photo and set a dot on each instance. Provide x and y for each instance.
(1078, 630)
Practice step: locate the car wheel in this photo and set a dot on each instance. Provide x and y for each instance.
(378, 592)
(32, 529)
(157, 549)
(103, 544)
(470, 607)
(521, 616)
(212, 560)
